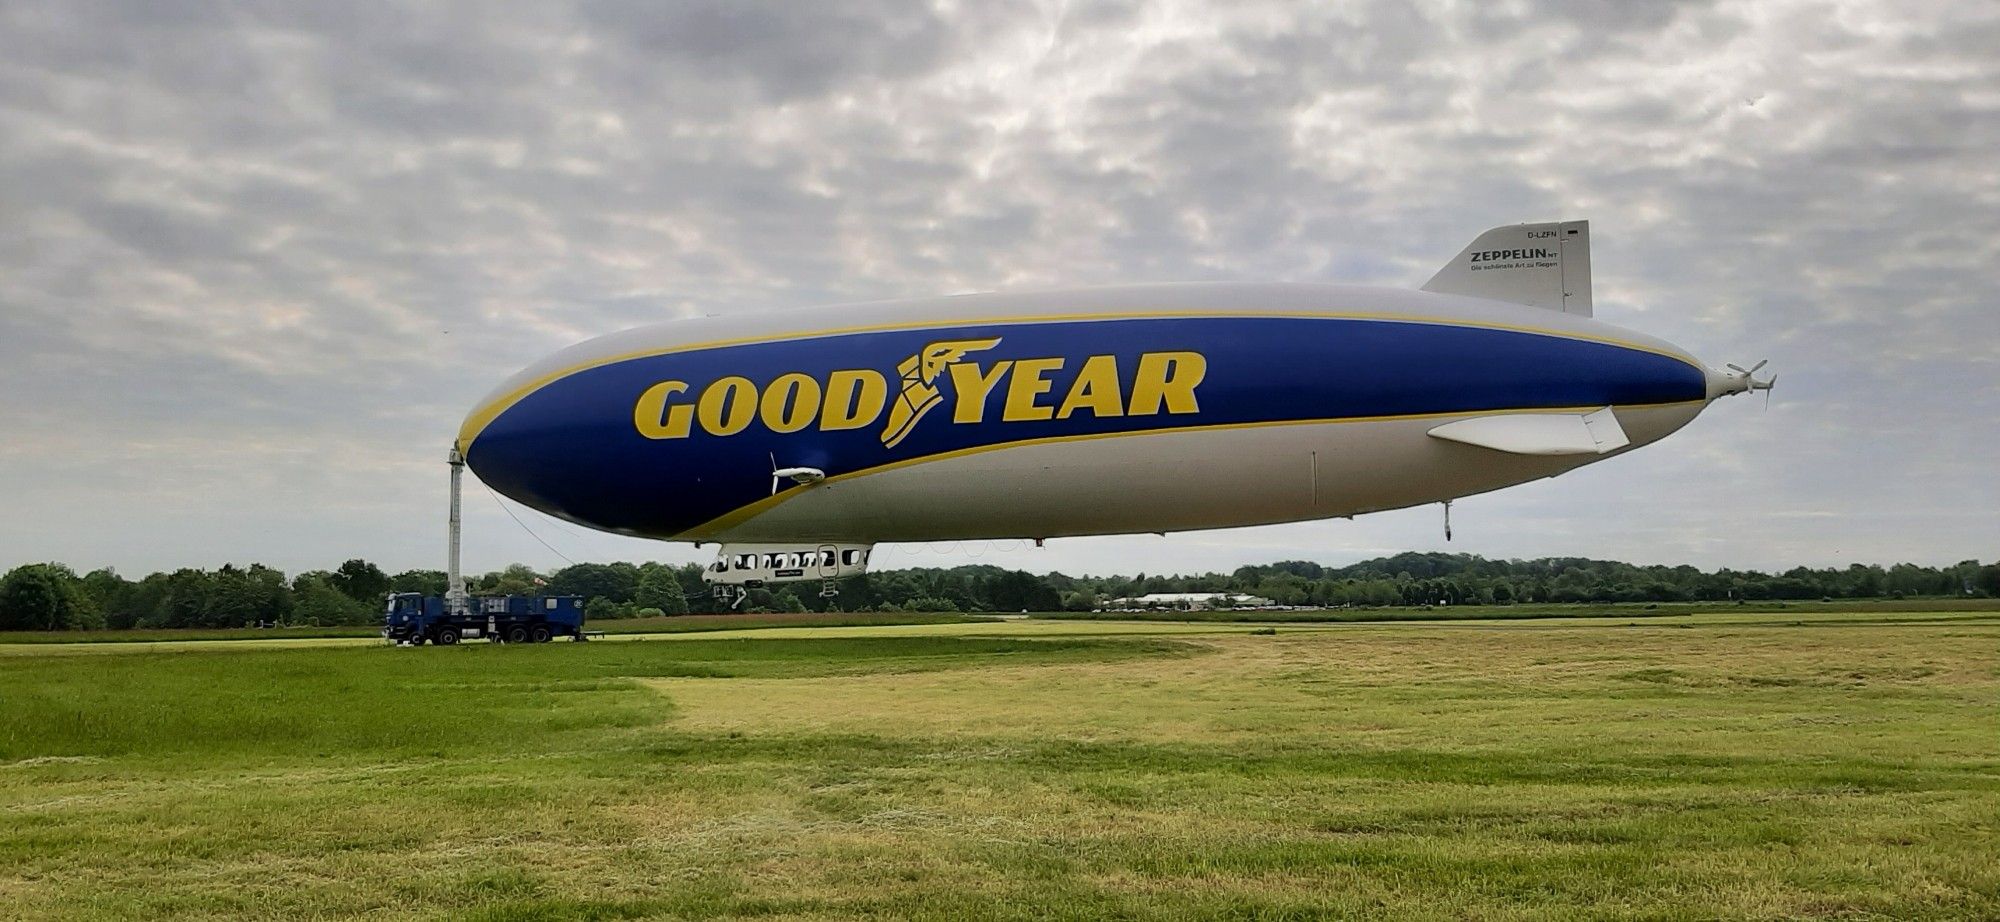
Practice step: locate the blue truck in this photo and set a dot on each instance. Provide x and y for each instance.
(414, 618)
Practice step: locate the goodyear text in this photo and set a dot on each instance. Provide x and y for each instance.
(1006, 390)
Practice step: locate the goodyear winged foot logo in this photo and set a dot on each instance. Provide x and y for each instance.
(1027, 388)
(919, 396)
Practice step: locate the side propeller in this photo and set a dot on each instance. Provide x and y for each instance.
(799, 475)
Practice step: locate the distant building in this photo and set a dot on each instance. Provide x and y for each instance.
(1190, 600)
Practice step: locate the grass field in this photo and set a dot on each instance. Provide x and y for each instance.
(675, 624)
(1539, 610)
(1836, 765)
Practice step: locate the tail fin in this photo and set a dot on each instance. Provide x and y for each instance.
(1540, 265)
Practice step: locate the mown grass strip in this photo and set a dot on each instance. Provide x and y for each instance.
(418, 701)
(675, 624)
(1874, 610)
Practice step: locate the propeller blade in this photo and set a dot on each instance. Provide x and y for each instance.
(1753, 368)
(1732, 366)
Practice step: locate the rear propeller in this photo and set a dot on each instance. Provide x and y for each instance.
(1745, 379)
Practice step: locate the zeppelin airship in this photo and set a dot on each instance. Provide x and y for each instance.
(797, 439)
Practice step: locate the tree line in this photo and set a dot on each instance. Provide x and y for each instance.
(50, 596)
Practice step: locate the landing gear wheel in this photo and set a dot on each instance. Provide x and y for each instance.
(540, 634)
(517, 634)
(446, 636)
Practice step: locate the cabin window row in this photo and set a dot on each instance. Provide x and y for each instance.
(794, 560)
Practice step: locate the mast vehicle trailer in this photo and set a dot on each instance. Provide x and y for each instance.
(414, 618)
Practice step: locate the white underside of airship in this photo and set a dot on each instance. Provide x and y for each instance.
(1173, 481)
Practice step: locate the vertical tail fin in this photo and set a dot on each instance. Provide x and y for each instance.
(1540, 265)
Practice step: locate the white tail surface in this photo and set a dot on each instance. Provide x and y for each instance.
(1540, 265)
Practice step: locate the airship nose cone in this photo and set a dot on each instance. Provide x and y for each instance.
(535, 448)
(501, 452)
(564, 444)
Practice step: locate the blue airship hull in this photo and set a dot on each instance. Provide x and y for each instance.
(674, 431)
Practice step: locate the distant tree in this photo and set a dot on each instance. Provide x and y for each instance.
(1987, 580)
(114, 596)
(179, 598)
(352, 594)
(615, 581)
(46, 597)
(31, 599)
(316, 602)
(516, 579)
(428, 582)
(785, 601)
(1013, 590)
(254, 595)
(625, 576)
(660, 588)
(361, 581)
(603, 609)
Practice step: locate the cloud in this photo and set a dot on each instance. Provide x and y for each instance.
(255, 261)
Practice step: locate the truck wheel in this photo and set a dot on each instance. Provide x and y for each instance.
(416, 640)
(517, 634)
(541, 633)
(446, 636)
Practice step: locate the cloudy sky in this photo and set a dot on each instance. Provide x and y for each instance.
(258, 259)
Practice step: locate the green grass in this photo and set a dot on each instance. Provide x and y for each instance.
(165, 635)
(221, 702)
(679, 624)
(1711, 766)
(1528, 611)
(674, 624)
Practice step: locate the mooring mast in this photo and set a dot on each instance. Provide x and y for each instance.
(454, 585)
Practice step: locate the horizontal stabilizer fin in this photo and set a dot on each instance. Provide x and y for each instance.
(1540, 433)
(1540, 265)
